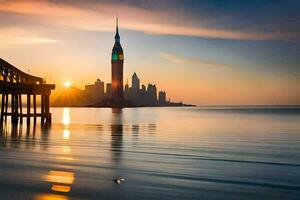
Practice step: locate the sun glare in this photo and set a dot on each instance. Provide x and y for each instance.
(67, 84)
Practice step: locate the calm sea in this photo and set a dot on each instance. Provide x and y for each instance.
(161, 153)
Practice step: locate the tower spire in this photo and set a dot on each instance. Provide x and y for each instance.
(117, 23)
(117, 36)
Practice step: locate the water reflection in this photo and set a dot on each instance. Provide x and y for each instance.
(151, 128)
(66, 119)
(61, 181)
(116, 135)
(12, 134)
(50, 197)
(135, 134)
(45, 131)
(64, 150)
(135, 130)
(66, 134)
(61, 188)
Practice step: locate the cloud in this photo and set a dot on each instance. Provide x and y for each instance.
(98, 16)
(178, 59)
(14, 36)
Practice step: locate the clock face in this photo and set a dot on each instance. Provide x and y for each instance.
(121, 57)
(115, 57)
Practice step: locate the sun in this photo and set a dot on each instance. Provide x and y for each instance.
(67, 84)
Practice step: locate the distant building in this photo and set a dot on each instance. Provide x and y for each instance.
(152, 94)
(133, 94)
(108, 90)
(95, 92)
(126, 87)
(143, 88)
(135, 82)
(126, 91)
(162, 97)
(143, 95)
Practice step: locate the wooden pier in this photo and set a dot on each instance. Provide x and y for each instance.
(15, 87)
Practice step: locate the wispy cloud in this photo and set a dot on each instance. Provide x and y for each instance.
(98, 15)
(12, 36)
(179, 59)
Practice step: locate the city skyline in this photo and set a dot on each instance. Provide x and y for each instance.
(93, 95)
(200, 52)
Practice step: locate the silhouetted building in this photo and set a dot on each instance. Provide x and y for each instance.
(117, 59)
(95, 92)
(126, 87)
(152, 94)
(162, 97)
(133, 93)
(108, 90)
(135, 82)
(143, 95)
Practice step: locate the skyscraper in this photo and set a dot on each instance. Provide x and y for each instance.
(162, 97)
(117, 59)
(152, 94)
(135, 82)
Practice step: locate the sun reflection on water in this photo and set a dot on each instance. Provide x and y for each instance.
(60, 177)
(66, 134)
(66, 149)
(61, 188)
(50, 197)
(66, 120)
(61, 181)
(64, 158)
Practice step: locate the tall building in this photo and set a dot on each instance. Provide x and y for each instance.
(117, 59)
(152, 94)
(144, 95)
(162, 97)
(135, 82)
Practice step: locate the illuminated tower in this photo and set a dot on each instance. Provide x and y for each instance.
(117, 59)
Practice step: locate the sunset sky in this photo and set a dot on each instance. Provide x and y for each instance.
(201, 52)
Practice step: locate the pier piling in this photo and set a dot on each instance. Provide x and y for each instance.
(16, 83)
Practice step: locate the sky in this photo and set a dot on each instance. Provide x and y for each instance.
(204, 52)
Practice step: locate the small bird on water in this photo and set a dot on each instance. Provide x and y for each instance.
(119, 180)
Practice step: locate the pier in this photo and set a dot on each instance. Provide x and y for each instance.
(21, 90)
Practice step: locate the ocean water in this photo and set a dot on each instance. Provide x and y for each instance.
(161, 153)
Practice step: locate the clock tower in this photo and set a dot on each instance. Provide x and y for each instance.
(117, 59)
